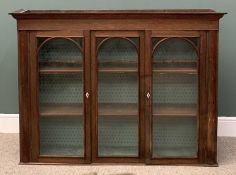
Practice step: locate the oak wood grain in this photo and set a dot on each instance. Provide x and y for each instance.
(24, 101)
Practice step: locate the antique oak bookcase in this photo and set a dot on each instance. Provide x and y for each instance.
(118, 86)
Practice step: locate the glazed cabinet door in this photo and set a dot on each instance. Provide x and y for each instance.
(117, 68)
(174, 95)
(60, 75)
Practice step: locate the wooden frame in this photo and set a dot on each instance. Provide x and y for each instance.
(143, 24)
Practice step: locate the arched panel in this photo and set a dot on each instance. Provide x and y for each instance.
(118, 43)
(117, 51)
(60, 49)
(175, 55)
(174, 45)
(175, 48)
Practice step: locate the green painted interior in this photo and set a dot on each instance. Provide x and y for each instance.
(8, 41)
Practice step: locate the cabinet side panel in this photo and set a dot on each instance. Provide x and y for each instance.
(203, 98)
(24, 100)
(34, 89)
(212, 97)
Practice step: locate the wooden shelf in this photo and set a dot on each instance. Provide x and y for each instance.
(174, 151)
(57, 110)
(63, 62)
(119, 150)
(61, 150)
(60, 67)
(63, 70)
(118, 109)
(117, 61)
(174, 110)
(118, 70)
(174, 61)
(175, 66)
(121, 66)
(183, 70)
(60, 70)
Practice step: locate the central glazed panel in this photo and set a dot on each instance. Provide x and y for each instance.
(118, 93)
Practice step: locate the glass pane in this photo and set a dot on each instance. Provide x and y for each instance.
(61, 136)
(175, 55)
(118, 55)
(61, 98)
(118, 98)
(118, 136)
(175, 97)
(174, 136)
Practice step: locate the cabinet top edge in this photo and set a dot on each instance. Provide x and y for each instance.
(73, 14)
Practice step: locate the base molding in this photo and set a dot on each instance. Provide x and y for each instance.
(9, 123)
(227, 126)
